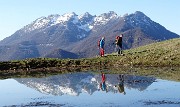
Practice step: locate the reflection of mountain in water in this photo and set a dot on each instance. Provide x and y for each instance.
(74, 84)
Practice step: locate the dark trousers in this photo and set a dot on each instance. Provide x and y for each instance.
(119, 49)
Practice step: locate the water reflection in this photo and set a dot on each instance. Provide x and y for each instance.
(120, 85)
(103, 85)
(77, 83)
(83, 89)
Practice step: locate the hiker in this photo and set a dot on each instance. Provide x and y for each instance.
(118, 42)
(101, 46)
(103, 82)
(120, 85)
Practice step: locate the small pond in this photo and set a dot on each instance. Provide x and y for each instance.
(84, 89)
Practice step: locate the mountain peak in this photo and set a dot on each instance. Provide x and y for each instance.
(108, 15)
(112, 13)
(138, 19)
(85, 15)
(139, 13)
(65, 17)
(69, 14)
(105, 17)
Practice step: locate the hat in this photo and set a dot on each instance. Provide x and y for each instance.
(121, 35)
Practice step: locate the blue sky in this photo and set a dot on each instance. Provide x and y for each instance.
(15, 14)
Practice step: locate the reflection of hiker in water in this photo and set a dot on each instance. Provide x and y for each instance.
(120, 85)
(103, 83)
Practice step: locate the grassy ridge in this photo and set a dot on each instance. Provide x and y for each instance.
(166, 53)
(160, 54)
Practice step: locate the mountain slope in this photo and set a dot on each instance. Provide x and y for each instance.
(166, 50)
(79, 34)
(59, 53)
(137, 28)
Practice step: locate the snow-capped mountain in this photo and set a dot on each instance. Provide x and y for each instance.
(79, 34)
(77, 83)
(45, 22)
(84, 22)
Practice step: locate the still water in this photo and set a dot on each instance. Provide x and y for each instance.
(85, 89)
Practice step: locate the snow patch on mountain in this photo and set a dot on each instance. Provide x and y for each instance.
(49, 44)
(84, 22)
(67, 90)
(87, 80)
(85, 27)
(43, 88)
(85, 15)
(104, 18)
(81, 36)
(65, 18)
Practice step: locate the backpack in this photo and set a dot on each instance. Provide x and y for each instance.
(117, 37)
(117, 40)
(99, 42)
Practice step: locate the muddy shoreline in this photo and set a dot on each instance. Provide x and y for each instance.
(169, 73)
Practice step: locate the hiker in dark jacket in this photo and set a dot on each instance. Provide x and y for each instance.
(118, 42)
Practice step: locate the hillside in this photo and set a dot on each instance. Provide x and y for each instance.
(166, 53)
(59, 53)
(160, 54)
(78, 34)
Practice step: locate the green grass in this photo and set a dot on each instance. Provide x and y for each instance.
(165, 53)
(160, 54)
